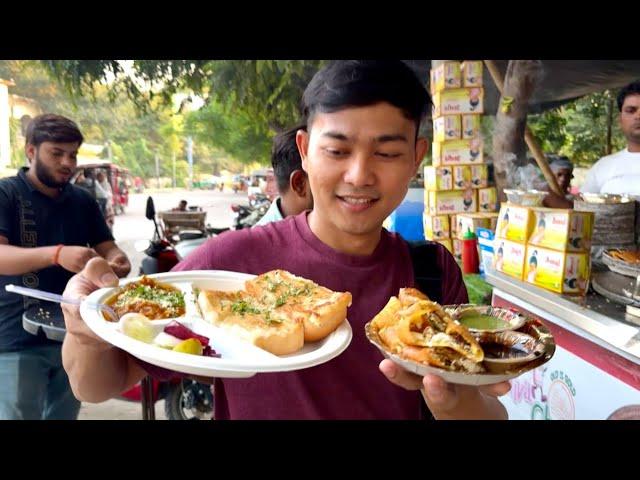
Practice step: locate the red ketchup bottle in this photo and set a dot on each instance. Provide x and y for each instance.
(470, 259)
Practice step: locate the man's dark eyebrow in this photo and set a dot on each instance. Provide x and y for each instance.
(391, 138)
(335, 135)
(61, 150)
(381, 139)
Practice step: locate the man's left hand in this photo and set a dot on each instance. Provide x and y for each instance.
(120, 265)
(448, 400)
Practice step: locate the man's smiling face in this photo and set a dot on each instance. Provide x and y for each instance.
(359, 161)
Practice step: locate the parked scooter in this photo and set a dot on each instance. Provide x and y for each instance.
(258, 198)
(184, 399)
(247, 216)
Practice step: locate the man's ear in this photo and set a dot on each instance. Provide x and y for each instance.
(422, 147)
(298, 183)
(30, 151)
(302, 141)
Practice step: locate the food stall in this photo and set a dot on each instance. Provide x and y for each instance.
(556, 265)
(595, 372)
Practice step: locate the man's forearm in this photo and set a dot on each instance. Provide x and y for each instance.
(18, 260)
(97, 374)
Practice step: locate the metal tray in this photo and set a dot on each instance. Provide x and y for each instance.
(618, 266)
(46, 318)
(616, 287)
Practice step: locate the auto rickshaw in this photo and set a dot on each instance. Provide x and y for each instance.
(119, 178)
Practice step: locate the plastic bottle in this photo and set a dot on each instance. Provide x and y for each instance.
(470, 258)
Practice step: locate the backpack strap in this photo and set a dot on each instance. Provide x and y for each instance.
(428, 278)
(426, 271)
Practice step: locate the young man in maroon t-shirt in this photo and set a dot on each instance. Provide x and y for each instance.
(360, 151)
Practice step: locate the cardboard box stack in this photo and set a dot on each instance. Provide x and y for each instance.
(457, 185)
(545, 247)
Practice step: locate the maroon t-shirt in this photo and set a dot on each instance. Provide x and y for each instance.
(350, 386)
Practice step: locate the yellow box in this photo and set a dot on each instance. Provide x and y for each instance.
(461, 177)
(561, 272)
(455, 201)
(461, 152)
(438, 178)
(471, 221)
(509, 257)
(446, 76)
(457, 248)
(493, 219)
(453, 224)
(479, 176)
(470, 126)
(459, 101)
(447, 243)
(471, 71)
(515, 223)
(436, 227)
(447, 128)
(487, 199)
(432, 82)
(566, 230)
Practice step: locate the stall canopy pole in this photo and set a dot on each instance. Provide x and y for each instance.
(532, 143)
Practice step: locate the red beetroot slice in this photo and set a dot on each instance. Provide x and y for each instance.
(178, 330)
(210, 352)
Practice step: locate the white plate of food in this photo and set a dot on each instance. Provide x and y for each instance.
(246, 334)
(422, 337)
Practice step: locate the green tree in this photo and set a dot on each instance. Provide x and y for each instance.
(586, 129)
(580, 128)
(268, 91)
(105, 114)
(235, 134)
(246, 101)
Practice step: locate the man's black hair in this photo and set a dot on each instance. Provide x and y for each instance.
(632, 89)
(285, 157)
(52, 128)
(357, 83)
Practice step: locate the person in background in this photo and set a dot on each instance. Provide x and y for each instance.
(182, 207)
(103, 182)
(562, 168)
(294, 194)
(102, 196)
(49, 230)
(620, 172)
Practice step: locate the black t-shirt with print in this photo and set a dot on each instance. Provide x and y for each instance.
(28, 218)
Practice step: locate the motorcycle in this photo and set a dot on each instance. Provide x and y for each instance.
(247, 216)
(257, 199)
(184, 399)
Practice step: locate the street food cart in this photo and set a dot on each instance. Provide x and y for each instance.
(595, 372)
(545, 273)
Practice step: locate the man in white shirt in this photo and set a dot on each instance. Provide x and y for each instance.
(293, 185)
(620, 172)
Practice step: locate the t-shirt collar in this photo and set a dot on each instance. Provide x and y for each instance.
(302, 225)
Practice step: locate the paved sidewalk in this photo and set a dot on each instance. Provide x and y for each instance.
(117, 410)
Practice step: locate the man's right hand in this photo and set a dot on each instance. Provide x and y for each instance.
(74, 259)
(96, 274)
